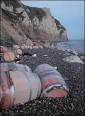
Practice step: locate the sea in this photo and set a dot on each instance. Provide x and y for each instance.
(77, 45)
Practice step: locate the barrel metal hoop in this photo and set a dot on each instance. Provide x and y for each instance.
(11, 88)
(39, 88)
(44, 93)
(46, 73)
(0, 92)
(5, 91)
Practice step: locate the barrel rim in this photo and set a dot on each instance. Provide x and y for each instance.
(57, 86)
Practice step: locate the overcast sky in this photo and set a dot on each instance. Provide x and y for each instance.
(69, 13)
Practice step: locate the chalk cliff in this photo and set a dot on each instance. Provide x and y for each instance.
(29, 25)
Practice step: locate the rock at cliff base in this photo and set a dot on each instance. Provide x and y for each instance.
(73, 59)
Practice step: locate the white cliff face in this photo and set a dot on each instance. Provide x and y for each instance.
(10, 8)
(37, 23)
(20, 9)
(48, 25)
(3, 5)
(26, 20)
(47, 10)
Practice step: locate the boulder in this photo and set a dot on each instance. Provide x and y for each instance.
(73, 59)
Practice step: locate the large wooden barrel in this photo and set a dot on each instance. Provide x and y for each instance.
(18, 87)
(53, 84)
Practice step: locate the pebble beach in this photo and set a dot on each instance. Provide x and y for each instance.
(73, 74)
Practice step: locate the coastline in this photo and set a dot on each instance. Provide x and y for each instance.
(71, 45)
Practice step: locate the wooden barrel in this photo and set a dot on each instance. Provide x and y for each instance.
(18, 87)
(14, 67)
(53, 84)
